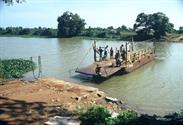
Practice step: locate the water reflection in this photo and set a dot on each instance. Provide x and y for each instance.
(154, 88)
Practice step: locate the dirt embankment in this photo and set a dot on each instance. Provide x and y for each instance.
(33, 102)
(173, 38)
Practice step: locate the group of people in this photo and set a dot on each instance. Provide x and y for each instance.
(119, 55)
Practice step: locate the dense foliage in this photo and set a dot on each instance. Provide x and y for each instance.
(95, 116)
(180, 31)
(20, 31)
(11, 2)
(126, 118)
(69, 25)
(111, 33)
(15, 68)
(120, 33)
(176, 115)
(100, 116)
(147, 26)
(152, 25)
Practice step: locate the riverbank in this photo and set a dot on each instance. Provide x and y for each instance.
(26, 36)
(33, 102)
(76, 37)
(178, 38)
(50, 100)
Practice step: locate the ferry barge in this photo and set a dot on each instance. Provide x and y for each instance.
(108, 67)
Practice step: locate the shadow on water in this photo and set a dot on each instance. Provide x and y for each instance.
(22, 112)
(94, 80)
(82, 78)
(86, 79)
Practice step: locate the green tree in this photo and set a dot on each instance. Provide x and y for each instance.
(152, 25)
(110, 28)
(124, 28)
(88, 32)
(24, 31)
(46, 32)
(70, 25)
(180, 30)
(1, 30)
(9, 30)
(102, 34)
(11, 2)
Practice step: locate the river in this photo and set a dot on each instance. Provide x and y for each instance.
(156, 88)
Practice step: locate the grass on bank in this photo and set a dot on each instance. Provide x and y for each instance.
(98, 115)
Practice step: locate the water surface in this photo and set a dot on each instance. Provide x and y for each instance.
(154, 88)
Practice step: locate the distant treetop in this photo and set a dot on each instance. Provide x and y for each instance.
(153, 25)
(11, 2)
(70, 25)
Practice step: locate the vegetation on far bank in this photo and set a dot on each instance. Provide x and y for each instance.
(28, 32)
(146, 26)
(121, 33)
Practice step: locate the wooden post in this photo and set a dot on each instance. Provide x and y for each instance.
(126, 52)
(154, 48)
(40, 66)
(132, 44)
(94, 50)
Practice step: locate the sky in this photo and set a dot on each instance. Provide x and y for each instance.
(97, 13)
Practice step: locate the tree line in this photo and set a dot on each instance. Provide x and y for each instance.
(70, 25)
(109, 33)
(11, 2)
(146, 26)
(20, 31)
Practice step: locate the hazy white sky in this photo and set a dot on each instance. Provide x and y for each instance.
(97, 13)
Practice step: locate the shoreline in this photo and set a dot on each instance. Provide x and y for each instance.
(50, 94)
(43, 100)
(178, 38)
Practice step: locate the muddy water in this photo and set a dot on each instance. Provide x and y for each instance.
(154, 88)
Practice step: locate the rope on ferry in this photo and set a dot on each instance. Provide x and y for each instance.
(84, 57)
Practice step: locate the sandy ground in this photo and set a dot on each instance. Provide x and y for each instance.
(33, 102)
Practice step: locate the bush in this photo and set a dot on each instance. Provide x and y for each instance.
(180, 114)
(100, 116)
(176, 115)
(15, 68)
(95, 116)
(126, 118)
(110, 121)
